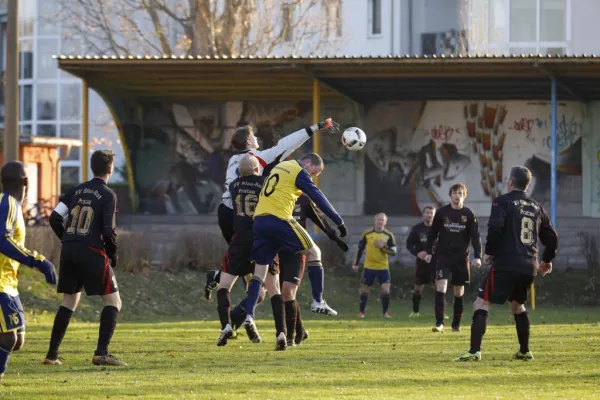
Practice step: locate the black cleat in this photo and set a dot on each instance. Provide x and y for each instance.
(251, 330)
(225, 335)
(212, 282)
(301, 337)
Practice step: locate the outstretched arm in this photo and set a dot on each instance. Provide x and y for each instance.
(305, 183)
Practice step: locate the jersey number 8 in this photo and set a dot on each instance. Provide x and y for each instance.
(81, 219)
(527, 231)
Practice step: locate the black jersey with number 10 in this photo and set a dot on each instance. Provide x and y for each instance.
(244, 193)
(515, 225)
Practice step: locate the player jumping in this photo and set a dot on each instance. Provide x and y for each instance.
(244, 141)
(12, 254)
(377, 243)
(88, 256)
(453, 227)
(515, 225)
(424, 271)
(275, 228)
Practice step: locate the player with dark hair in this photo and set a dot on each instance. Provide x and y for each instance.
(12, 254)
(516, 224)
(276, 229)
(88, 256)
(424, 271)
(378, 243)
(454, 227)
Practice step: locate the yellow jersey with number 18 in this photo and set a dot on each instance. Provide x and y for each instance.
(279, 192)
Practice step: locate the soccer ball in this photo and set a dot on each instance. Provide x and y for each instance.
(354, 139)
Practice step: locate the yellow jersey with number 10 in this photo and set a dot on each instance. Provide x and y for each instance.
(279, 192)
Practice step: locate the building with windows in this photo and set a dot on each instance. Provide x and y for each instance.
(51, 100)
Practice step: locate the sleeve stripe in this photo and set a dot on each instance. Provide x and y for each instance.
(21, 249)
(10, 220)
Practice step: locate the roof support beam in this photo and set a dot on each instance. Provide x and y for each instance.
(548, 74)
(311, 74)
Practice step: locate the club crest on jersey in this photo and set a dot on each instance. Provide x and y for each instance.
(423, 237)
(463, 219)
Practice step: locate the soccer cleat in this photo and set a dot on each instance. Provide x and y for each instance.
(225, 335)
(322, 308)
(467, 356)
(387, 315)
(414, 315)
(48, 361)
(290, 342)
(523, 356)
(251, 330)
(211, 283)
(455, 328)
(108, 359)
(301, 337)
(281, 342)
(438, 328)
(361, 315)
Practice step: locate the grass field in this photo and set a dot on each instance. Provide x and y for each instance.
(344, 358)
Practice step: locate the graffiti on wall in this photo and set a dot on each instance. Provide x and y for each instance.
(419, 149)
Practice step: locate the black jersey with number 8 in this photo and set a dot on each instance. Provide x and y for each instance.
(515, 225)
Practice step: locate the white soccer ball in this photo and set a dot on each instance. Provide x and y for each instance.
(354, 139)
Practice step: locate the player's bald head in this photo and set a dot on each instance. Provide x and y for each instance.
(248, 165)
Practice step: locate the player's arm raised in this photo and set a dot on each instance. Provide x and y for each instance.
(11, 249)
(314, 215)
(305, 183)
(288, 144)
(109, 229)
(60, 212)
(549, 239)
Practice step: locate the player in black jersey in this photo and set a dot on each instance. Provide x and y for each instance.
(515, 225)
(424, 271)
(88, 256)
(454, 227)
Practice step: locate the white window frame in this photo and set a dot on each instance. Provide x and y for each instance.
(493, 47)
(370, 22)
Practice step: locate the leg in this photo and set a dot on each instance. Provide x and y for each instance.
(384, 291)
(225, 220)
(416, 299)
(459, 292)
(7, 343)
(226, 282)
(291, 315)
(315, 273)
(364, 296)
(479, 325)
(441, 285)
(20, 340)
(61, 323)
(278, 306)
(108, 323)
(517, 299)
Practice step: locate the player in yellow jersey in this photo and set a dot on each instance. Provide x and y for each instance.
(377, 243)
(12, 254)
(275, 228)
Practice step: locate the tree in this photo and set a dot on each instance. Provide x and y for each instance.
(202, 27)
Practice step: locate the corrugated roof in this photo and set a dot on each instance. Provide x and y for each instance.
(361, 78)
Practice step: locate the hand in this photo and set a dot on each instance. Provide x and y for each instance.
(422, 255)
(545, 268)
(343, 230)
(47, 268)
(477, 262)
(488, 260)
(379, 244)
(428, 258)
(328, 125)
(113, 260)
(355, 268)
(342, 245)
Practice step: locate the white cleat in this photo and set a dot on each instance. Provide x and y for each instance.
(225, 335)
(322, 308)
(439, 328)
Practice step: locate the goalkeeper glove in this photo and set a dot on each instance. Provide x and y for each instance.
(328, 125)
(343, 230)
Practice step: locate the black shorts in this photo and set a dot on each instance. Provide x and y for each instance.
(237, 259)
(225, 219)
(84, 267)
(500, 286)
(291, 266)
(459, 273)
(424, 273)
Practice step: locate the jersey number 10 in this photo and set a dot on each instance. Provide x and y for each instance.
(81, 219)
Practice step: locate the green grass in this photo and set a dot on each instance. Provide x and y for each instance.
(168, 336)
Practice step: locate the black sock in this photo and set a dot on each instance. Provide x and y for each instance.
(363, 301)
(290, 318)
(478, 330)
(458, 310)
(299, 324)
(385, 302)
(416, 299)
(440, 308)
(522, 322)
(108, 323)
(61, 323)
(278, 306)
(224, 307)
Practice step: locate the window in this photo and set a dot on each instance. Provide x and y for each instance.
(523, 21)
(46, 66)
(71, 131)
(287, 29)
(69, 175)
(27, 16)
(70, 101)
(26, 54)
(46, 130)
(26, 98)
(374, 13)
(552, 20)
(46, 101)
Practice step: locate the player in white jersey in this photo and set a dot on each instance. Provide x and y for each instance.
(244, 141)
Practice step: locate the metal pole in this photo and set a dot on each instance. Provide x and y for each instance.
(11, 83)
(554, 152)
(316, 139)
(85, 138)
